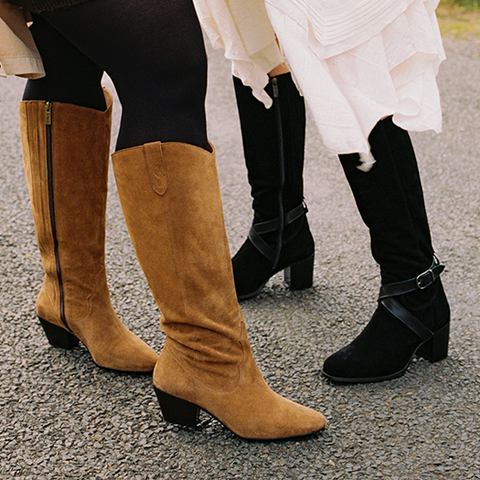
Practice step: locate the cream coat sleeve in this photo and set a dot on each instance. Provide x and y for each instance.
(18, 53)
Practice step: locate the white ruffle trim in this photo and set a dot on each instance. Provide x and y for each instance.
(388, 67)
(392, 73)
(243, 31)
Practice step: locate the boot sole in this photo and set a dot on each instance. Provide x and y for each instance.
(58, 337)
(298, 276)
(434, 350)
(181, 412)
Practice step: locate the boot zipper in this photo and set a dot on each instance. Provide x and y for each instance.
(281, 159)
(48, 114)
(275, 87)
(51, 203)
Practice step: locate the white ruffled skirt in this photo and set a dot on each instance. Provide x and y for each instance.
(355, 61)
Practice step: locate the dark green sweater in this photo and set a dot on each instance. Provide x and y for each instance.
(37, 6)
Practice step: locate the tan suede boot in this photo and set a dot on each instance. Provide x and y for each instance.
(66, 154)
(171, 202)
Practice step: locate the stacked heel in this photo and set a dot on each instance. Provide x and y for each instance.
(58, 336)
(299, 276)
(178, 411)
(436, 348)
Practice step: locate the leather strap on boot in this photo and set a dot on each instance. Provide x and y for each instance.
(274, 144)
(422, 281)
(273, 225)
(385, 348)
(277, 224)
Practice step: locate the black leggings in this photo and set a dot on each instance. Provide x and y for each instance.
(153, 51)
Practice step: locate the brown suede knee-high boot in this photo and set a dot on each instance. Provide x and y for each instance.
(66, 155)
(171, 201)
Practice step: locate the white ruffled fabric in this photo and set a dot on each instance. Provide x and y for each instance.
(243, 30)
(355, 61)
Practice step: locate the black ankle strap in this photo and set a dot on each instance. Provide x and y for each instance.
(273, 225)
(269, 226)
(411, 321)
(420, 282)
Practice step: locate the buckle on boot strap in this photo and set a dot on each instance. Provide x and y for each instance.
(425, 279)
(420, 282)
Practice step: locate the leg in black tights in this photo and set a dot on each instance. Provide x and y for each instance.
(71, 77)
(154, 52)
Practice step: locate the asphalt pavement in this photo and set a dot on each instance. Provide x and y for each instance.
(62, 417)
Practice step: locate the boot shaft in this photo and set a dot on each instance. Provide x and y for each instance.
(274, 145)
(66, 155)
(171, 202)
(390, 200)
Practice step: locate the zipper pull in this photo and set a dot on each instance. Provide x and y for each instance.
(48, 113)
(275, 87)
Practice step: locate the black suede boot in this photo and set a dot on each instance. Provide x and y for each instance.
(413, 316)
(274, 143)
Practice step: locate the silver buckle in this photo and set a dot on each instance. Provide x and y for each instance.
(419, 279)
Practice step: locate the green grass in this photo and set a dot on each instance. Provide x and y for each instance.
(468, 4)
(460, 18)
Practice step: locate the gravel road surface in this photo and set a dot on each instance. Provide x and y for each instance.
(62, 417)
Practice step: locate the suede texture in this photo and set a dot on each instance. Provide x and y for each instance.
(384, 348)
(390, 200)
(180, 241)
(80, 142)
(262, 141)
(252, 269)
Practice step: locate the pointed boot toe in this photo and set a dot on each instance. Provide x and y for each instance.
(123, 351)
(172, 205)
(237, 396)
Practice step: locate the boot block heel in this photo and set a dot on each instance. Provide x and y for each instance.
(436, 348)
(178, 411)
(300, 275)
(58, 336)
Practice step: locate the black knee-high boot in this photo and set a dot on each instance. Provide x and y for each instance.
(274, 144)
(413, 315)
